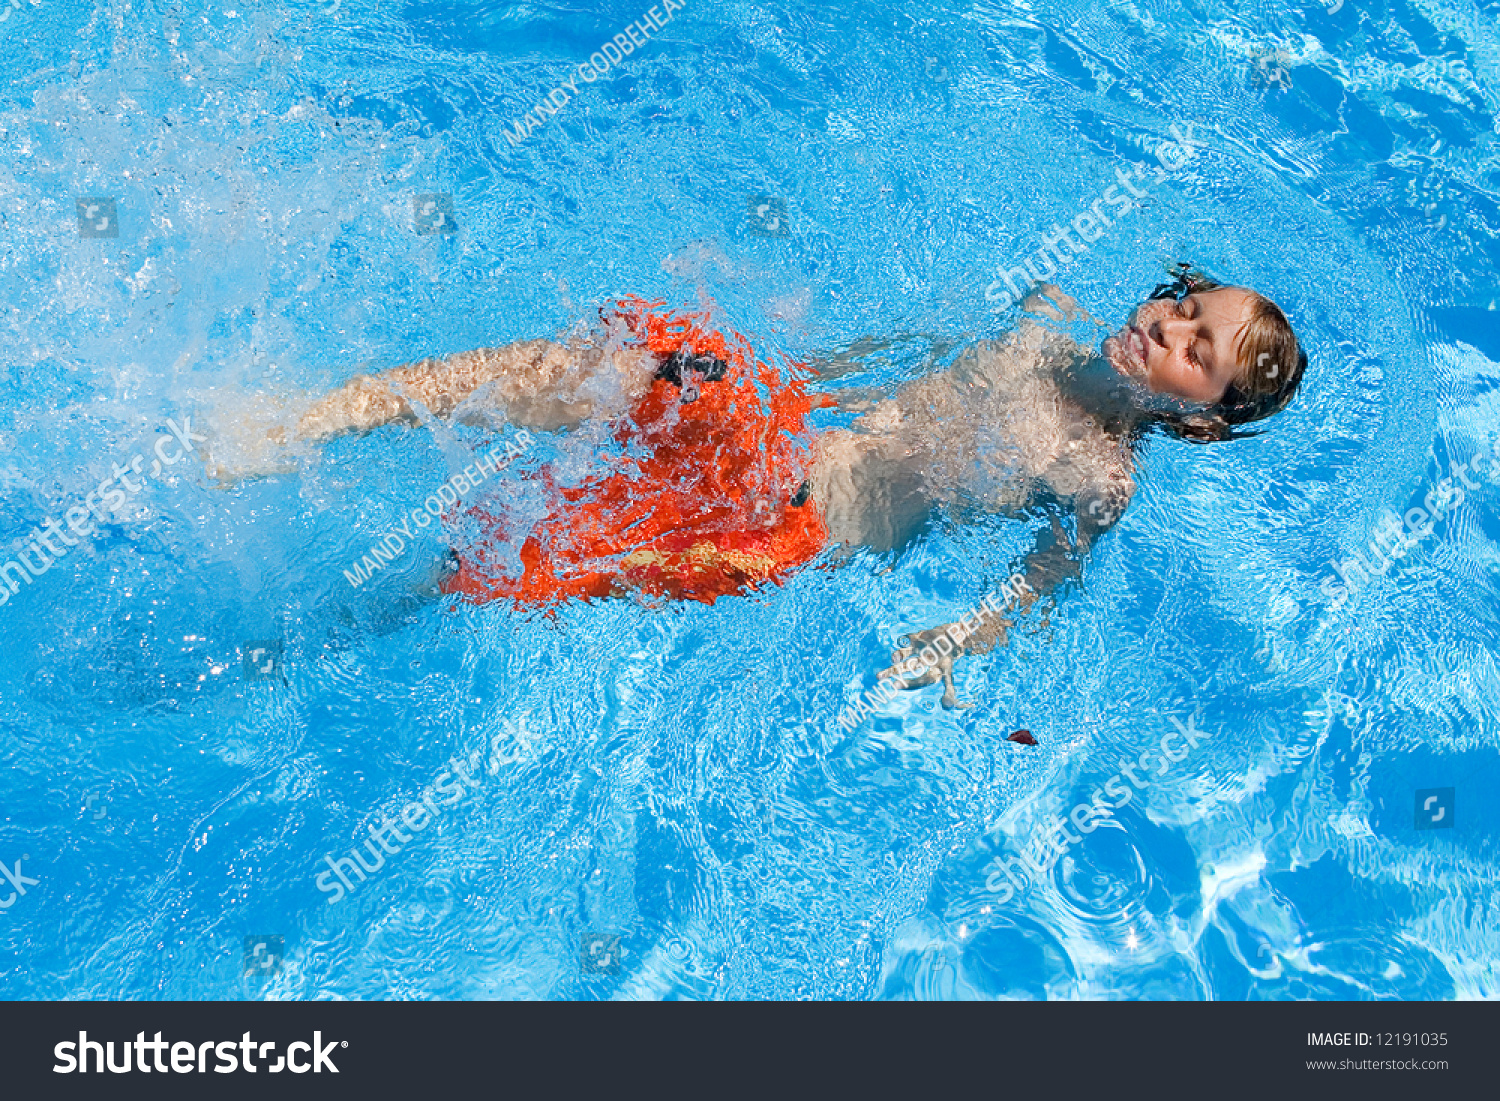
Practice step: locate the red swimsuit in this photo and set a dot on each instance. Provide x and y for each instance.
(706, 511)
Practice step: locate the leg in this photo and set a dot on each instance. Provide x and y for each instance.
(533, 383)
(538, 384)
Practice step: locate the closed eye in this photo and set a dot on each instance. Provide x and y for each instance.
(1188, 307)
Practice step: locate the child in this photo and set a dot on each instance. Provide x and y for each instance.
(722, 486)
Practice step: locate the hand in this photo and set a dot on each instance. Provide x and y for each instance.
(910, 670)
(1062, 307)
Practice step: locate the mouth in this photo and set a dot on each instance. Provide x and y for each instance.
(1129, 353)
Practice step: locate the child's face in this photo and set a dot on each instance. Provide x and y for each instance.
(1188, 349)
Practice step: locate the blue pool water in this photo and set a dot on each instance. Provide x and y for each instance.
(664, 804)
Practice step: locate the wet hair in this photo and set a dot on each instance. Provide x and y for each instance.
(1272, 366)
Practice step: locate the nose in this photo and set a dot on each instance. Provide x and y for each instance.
(1167, 331)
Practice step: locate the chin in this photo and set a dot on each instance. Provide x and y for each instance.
(1116, 351)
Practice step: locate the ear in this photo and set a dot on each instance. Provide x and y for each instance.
(1203, 428)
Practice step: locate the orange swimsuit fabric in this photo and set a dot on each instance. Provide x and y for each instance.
(699, 508)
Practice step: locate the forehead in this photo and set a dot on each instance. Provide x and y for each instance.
(1227, 310)
(1231, 305)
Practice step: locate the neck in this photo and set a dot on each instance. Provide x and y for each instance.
(1091, 384)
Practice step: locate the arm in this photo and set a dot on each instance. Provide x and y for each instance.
(859, 354)
(1054, 560)
(848, 360)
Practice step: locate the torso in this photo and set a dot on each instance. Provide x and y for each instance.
(995, 431)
